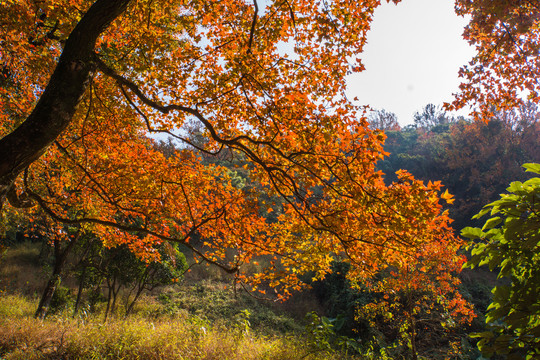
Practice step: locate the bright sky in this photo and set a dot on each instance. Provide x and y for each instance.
(412, 58)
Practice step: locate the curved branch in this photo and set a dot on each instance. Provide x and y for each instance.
(130, 228)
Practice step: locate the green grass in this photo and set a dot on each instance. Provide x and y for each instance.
(214, 301)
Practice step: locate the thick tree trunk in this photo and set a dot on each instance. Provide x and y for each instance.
(56, 106)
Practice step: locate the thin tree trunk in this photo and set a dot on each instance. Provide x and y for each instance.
(413, 341)
(137, 295)
(79, 292)
(109, 295)
(60, 257)
(116, 291)
(85, 264)
(412, 322)
(47, 296)
(140, 288)
(114, 297)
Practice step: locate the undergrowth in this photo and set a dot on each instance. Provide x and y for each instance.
(197, 319)
(178, 336)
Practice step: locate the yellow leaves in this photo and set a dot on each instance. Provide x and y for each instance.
(447, 197)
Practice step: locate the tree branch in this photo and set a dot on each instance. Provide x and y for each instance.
(57, 105)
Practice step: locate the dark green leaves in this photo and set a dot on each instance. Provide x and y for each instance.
(510, 242)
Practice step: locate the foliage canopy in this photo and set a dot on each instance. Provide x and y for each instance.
(84, 82)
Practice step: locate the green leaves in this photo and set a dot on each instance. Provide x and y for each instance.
(472, 233)
(491, 223)
(510, 242)
(531, 167)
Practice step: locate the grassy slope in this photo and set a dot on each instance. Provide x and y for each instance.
(198, 319)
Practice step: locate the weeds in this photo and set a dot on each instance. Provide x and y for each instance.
(182, 336)
(186, 321)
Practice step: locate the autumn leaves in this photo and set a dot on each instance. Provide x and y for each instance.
(159, 66)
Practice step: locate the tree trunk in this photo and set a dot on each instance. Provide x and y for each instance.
(414, 353)
(47, 296)
(115, 292)
(140, 288)
(79, 292)
(56, 106)
(129, 309)
(85, 263)
(60, 257)
(109, 296)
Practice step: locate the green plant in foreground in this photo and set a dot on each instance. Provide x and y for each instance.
(322, 334)
(242, 321)
(510, 242)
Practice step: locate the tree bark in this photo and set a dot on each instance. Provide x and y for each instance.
(79, 291)
(57, 105)
(48, 293)
(60, 257)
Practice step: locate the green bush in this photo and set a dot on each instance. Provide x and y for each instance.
(509, 242)
(61, 300)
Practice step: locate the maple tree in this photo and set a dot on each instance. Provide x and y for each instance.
(84, 82)
(419, 301)
(505, 70)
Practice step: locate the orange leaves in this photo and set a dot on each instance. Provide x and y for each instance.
(448, 197)
(505, 70)
(264, 91)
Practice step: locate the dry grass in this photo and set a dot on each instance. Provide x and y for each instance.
(196, 319)
(180, 337)
(12, 306)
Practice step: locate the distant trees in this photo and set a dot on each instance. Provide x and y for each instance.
(383, 120)
(474, 160)
(430, 117)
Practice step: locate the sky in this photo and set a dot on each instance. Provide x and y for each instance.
(412, 58)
